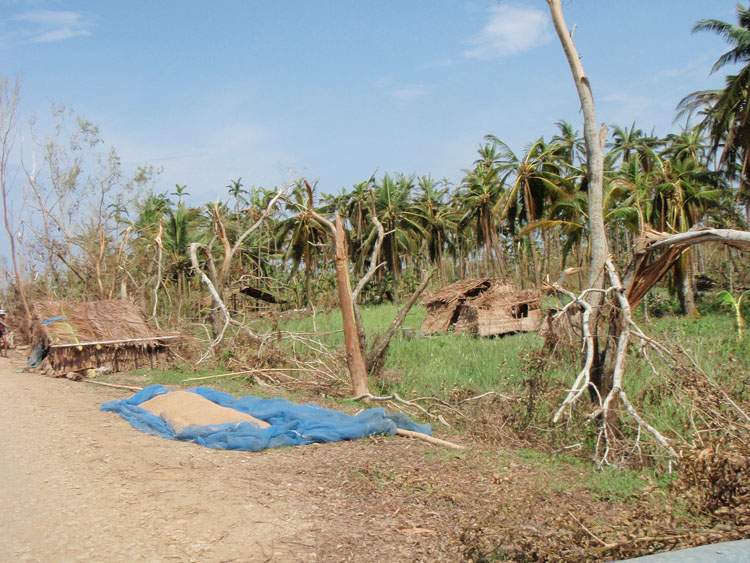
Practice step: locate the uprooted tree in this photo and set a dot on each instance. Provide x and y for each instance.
(606, 308)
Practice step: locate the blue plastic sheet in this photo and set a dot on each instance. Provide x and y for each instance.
(291, 424)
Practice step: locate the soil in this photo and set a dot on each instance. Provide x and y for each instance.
(80, 484)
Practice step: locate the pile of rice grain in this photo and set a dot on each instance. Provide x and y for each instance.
(183, 408)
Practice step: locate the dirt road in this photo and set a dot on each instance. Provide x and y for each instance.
(80, 484)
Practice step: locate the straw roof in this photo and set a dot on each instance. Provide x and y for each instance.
(457, 291)
(483, 307)
(501, 294)
(93, 321)
(482, 293)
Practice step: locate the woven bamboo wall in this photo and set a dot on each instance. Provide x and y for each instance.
(117, 358)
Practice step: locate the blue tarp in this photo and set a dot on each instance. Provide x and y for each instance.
(291, 424)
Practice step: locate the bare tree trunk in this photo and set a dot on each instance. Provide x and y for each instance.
(308, 278)
(395, 266)
(354, 357)
(8, 107)
(684, 286)
(594, 151)
(594, 141)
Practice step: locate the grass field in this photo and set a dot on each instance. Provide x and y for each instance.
(445, 366)
(544, 473)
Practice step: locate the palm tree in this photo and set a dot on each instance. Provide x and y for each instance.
(180, 229)
(437, 220)
(180, 190)
(689, 143)
(569, 145)
(392, 204)
(480, 192)
(625, 141)
(536, 178)
(683, 190)
(235, 190)
(726, 111)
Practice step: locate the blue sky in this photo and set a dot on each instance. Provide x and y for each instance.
(334, 90)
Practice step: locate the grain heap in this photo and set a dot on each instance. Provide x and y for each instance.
(183, 408)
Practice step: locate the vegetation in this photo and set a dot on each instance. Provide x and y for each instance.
(266, 255)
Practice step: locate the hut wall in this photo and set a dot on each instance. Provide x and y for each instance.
(467, 321)
(532, 322)
(494, 322)
(438, 318)
(120, 358)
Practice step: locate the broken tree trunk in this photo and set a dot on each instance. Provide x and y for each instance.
(355, 359)
(594, 139)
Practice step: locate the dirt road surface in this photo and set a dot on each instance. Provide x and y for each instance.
(79, 484)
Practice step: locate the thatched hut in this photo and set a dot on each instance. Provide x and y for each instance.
(112, 334)
(482, 307)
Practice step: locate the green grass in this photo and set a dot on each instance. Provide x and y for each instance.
(429, 365)
(436, 365)
(567, 473)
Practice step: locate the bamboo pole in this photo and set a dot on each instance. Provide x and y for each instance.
(123, 341)
(427, 438)
(116, 386)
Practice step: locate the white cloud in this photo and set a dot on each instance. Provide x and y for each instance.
(511, 30)
(401, 93)
(408, 92)
(45, 26)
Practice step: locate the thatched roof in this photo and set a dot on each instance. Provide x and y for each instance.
(501, 294)
(482, 306)
(457, 291)
(482, 293)
(91, 322)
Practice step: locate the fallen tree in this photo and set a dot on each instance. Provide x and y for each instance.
(657, 253)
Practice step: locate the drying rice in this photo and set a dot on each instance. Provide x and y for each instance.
(183, 408)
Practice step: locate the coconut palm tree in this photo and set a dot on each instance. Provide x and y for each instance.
(569, 145)
(181, 228)
(682, 192)
(436, 218)
(479, 194)
(235, 190)
(726, 111)
(535, 179)
(393, 204)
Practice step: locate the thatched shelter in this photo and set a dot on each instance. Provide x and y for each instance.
(111, 334)
(482, 307)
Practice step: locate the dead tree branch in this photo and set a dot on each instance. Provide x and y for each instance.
(374, 361)
(374, 265)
